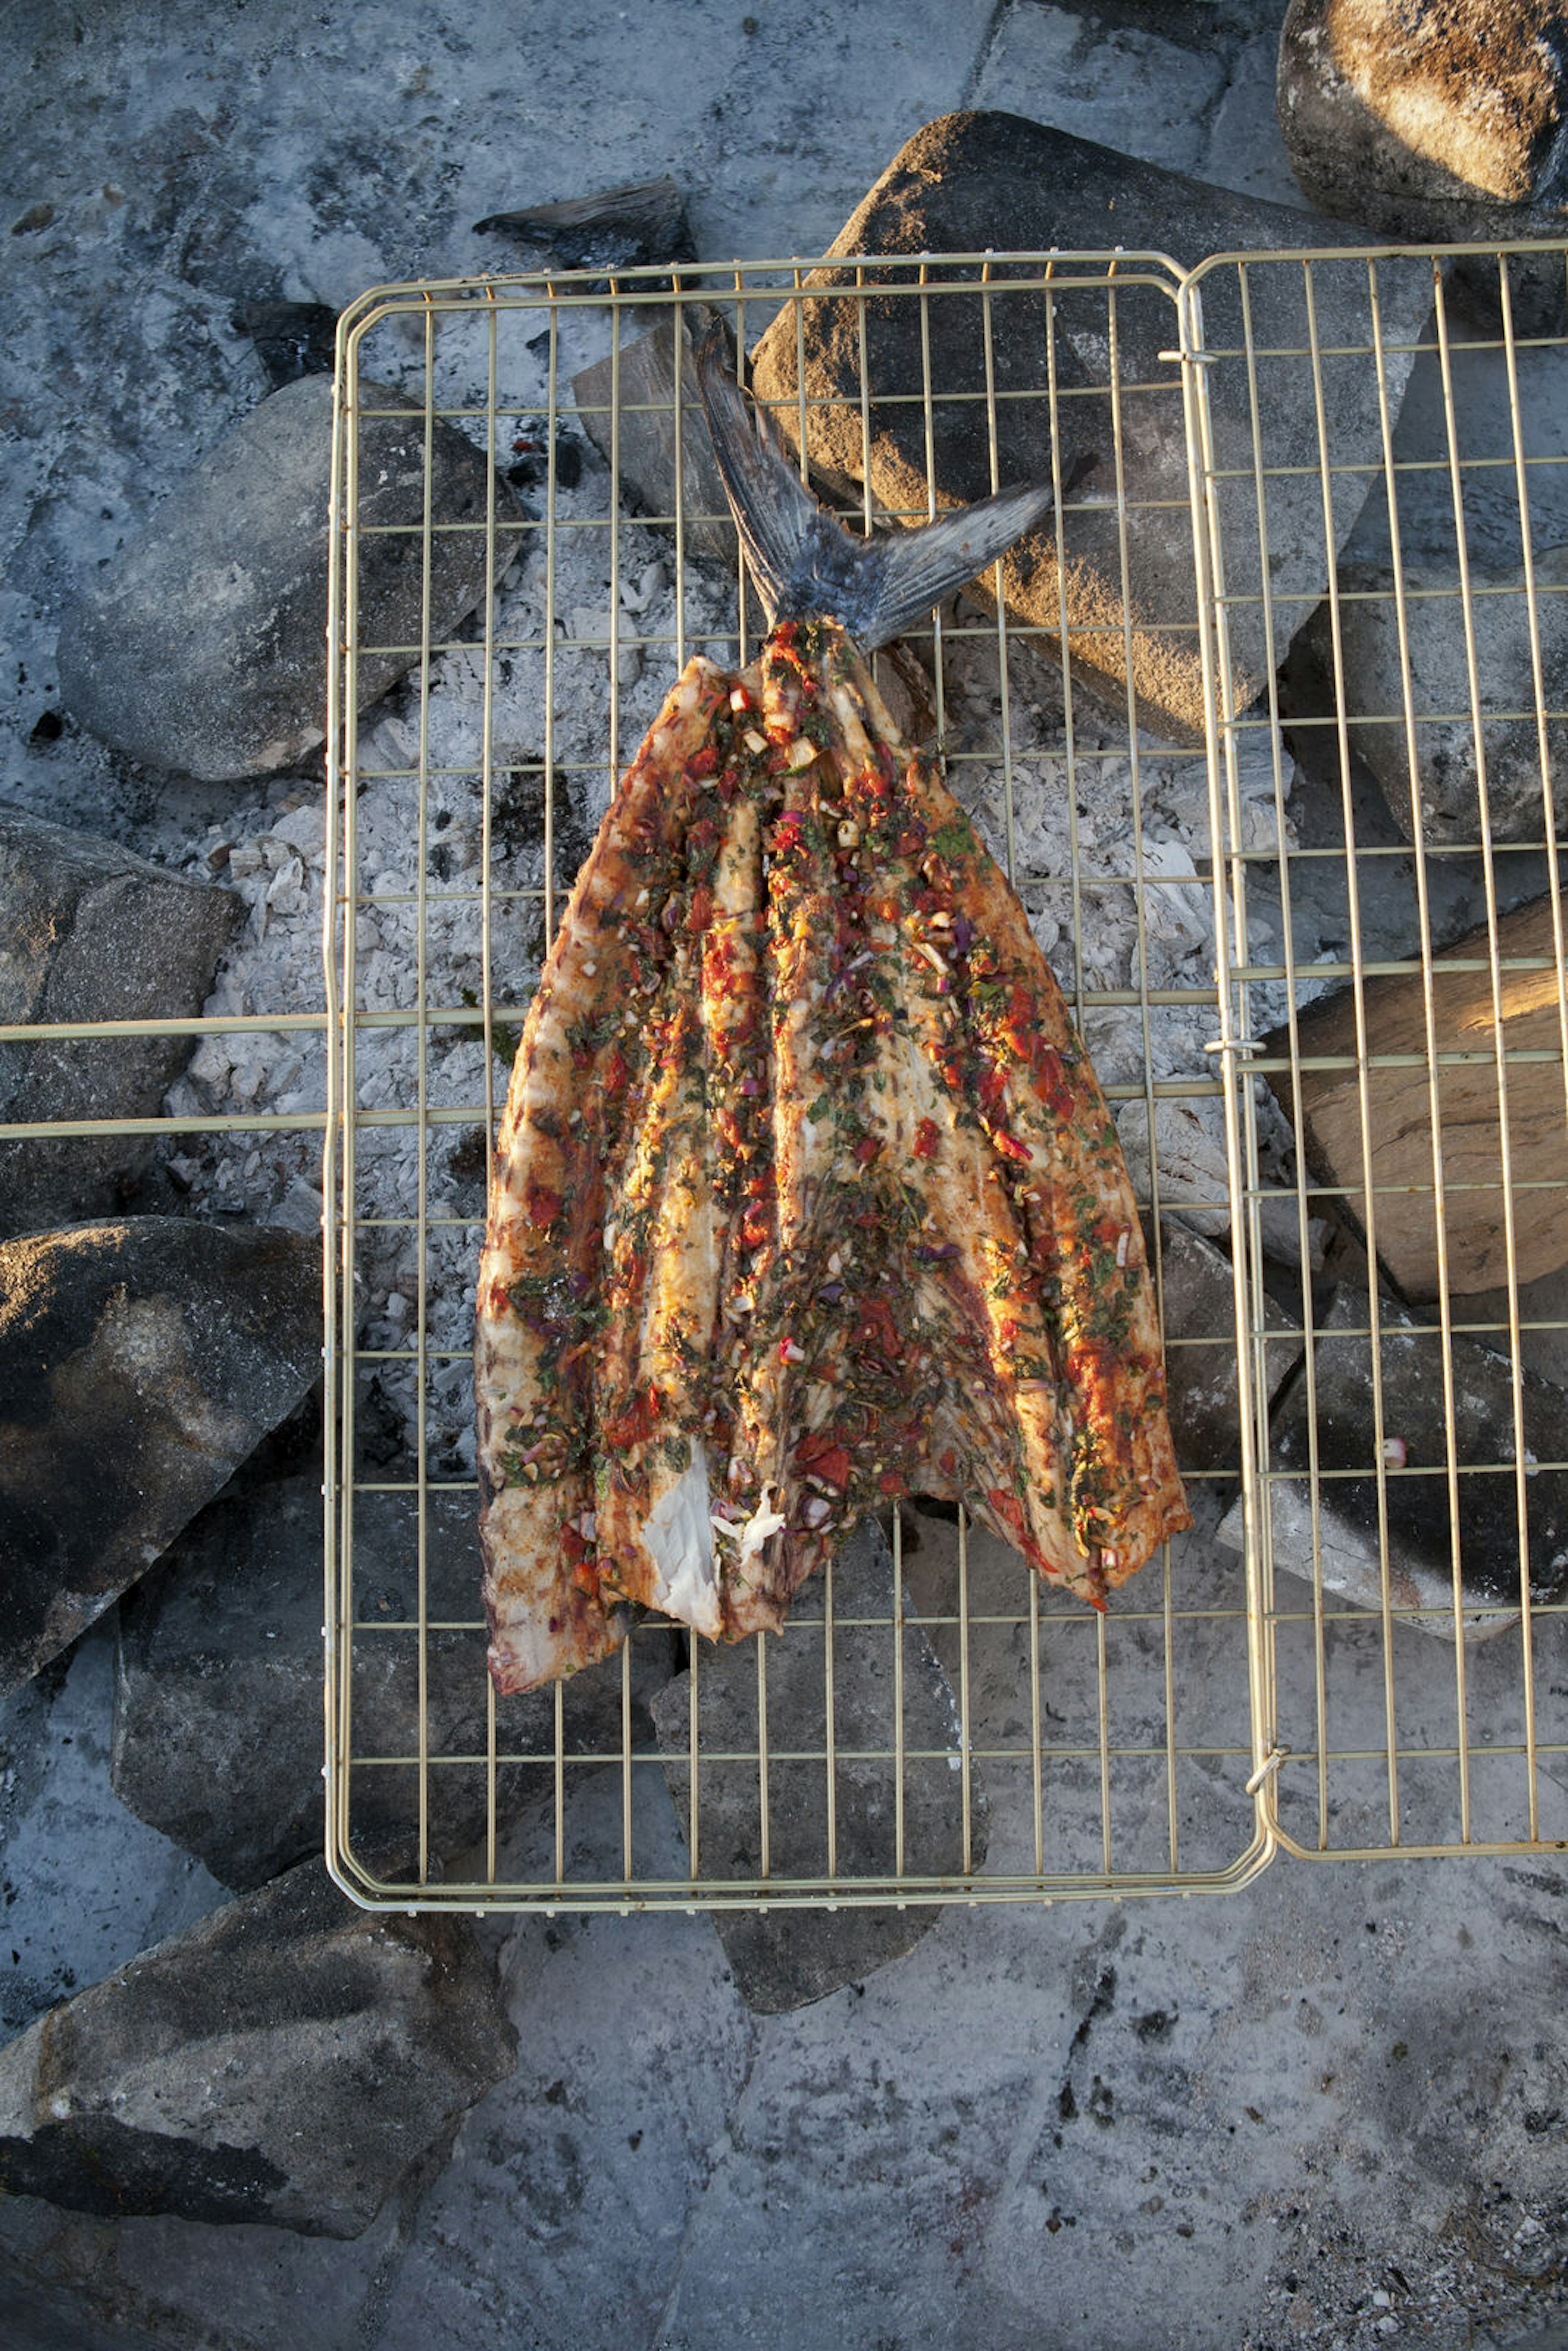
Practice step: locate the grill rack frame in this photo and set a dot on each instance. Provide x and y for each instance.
(1260, 1618)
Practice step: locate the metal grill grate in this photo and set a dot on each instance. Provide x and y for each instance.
(933, 1724)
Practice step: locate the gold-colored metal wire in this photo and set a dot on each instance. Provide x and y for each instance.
(1177, 1744)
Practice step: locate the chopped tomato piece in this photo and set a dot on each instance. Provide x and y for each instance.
(636, 1424)
(833, 1466)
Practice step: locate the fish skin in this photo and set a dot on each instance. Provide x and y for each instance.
(935, 1283)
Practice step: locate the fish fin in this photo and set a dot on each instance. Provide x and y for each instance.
(807, 566)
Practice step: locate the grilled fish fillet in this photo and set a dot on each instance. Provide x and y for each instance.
(807, 1197)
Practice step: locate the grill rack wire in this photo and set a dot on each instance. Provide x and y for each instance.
(1223, 1712)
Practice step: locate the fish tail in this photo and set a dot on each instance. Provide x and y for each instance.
(807, 566)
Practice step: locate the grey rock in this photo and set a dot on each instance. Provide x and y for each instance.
(1448, 768)
(203, 647)
(783, 1959)
(1437, 121)
(139, 1363)
(285, 2060)
(1202, 1382)
(1415, 1500)
(975, 180)
(90, 933)
(644, 446)
(217, 1717)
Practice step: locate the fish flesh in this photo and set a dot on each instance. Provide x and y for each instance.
(806, 1196)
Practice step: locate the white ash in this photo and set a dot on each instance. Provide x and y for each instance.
(601, 687)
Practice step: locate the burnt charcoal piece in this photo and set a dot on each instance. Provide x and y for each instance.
(1202, 1385)
(284, 2061)
(622, 228)
(644, 447)
(292, 339)
(1416, 1485)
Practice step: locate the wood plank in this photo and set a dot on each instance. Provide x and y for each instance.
(1402, 1225)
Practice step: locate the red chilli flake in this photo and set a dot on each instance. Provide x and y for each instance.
(825, 1458)
(544, 1206)
(925, 1139)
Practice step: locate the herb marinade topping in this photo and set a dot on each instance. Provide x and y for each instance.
(809, 1198)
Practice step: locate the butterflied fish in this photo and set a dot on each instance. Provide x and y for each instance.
(806, 1194)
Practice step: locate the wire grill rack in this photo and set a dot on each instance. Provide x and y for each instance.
(1193, 824)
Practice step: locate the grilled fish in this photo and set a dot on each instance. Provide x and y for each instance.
(806, 1194)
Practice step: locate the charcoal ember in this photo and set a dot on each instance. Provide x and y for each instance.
(90, 933)
(202, 648)
(620, 228)
(644, 445)
(217, 1711)
(1198, 1303)
(983, 180)
(781, 1959)
(1421, 1530)
(292, 338)
(286, 2061)
(1438, 121)
(139, 1363)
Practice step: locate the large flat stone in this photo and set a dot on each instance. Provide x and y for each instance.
(782, 1958)
(285, 2060)
(89, 932)
(218, 1713)
(977, 181)
(202, 648)
(139, 1363)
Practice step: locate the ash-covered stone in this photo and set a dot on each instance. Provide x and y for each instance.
(217, 1717)
(139, 1363)
(1415, 1503)
(644, 444)
(1437, 121)
(1431, 648)
(285, 2060)
(974, 181)
(203, 649)
(89, 932)
(783, 1959)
